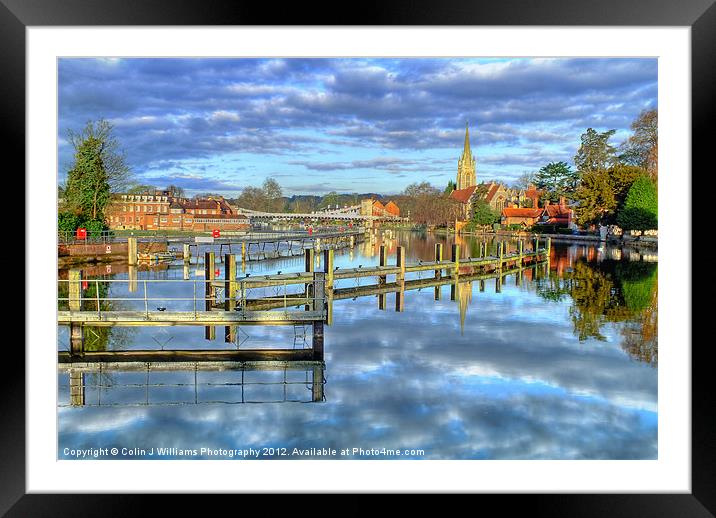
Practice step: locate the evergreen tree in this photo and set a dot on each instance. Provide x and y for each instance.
(556, 179)
(595, 153)
(640, 210)
(87, 182)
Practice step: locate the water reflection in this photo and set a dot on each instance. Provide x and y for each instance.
(558, 364)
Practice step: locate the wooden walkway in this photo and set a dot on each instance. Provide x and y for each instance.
(226, 302)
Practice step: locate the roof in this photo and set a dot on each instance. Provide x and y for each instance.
(515, 212)
(557, 211)
(376, 203)
(392, 208)
(491, 193)
(463, 195)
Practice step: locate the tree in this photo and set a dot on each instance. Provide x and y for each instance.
(329, 200)
(524, 181)
(252, 198)
(98, 169)
(273, 195)
(451, 186)
(483, 214)
(642, 148)
(176, 191)
(427, 205)
(601, 194)
(595, 153)
(640, 210)
(556, 179)
(139, 188)
(113, 158)
(87, 181)
(595, 198)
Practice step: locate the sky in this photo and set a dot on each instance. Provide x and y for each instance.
(359, 125)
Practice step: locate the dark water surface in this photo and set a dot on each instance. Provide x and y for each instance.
(561, 366)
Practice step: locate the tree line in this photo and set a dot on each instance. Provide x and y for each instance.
(610, 184)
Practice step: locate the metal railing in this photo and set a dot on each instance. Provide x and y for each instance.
(102, 303)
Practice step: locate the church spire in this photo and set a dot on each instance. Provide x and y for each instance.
(466, 164)
(466, 153)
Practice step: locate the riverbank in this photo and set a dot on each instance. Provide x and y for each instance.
(637, 241)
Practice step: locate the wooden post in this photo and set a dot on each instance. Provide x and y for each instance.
(132, 251)
(500, 253)
(536, 246)
(383, 261)
(75, 290)
(520, 251)
(77, 388)
(229, 293)
(400, 263)
(209, 294)
(77, 339)
(498, 282)
(400, 279)
(482, 284)
(455, 258)
(318, 303)
(132, 276)
(317, 385)
(243, 252)
(438, 258)
(328, 267)
(308, 288)
(186, 254)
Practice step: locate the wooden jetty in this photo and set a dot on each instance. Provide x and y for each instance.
(227, 303)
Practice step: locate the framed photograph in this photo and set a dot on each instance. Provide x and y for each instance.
(414, 254)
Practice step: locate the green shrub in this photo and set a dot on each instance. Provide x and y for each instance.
(68, 222)
(640, 211)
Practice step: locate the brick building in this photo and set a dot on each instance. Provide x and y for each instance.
(161, 210)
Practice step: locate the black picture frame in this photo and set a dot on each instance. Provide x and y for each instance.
(700, 15)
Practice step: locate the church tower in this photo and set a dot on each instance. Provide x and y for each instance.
(466, 165)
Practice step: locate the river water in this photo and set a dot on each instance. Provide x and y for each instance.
(560, 365)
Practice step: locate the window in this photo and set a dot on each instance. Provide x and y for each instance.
(164, 220)
(151, 208)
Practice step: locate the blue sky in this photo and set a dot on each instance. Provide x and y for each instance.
(349, 125)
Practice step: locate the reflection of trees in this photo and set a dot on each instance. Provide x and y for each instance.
(97, 338)
(611, 291)
(640, 338)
